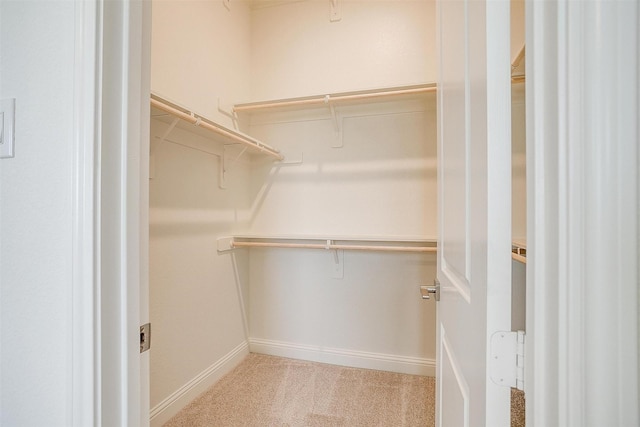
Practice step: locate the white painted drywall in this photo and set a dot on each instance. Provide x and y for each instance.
(381, 182)
(519, 203)
(374, 309)
(297, 51)
(196, 299)
(518, 158)
(200, 54)
(37, 59)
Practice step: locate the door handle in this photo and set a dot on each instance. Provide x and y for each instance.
(426, 290)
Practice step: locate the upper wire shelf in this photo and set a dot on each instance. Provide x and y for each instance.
(204, 123)
(335, 98)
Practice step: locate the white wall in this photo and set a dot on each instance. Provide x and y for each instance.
(297, 51)
(380, 182)
(196, 302)
(37, 59)
(519, 203)
(200, 51)
(519, 170)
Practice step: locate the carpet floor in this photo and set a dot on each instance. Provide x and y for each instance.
(268, 391)
(265, 391)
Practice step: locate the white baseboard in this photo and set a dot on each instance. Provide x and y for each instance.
(163, 411)
(337, 356)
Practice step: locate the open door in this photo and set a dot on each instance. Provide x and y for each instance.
(474, 257)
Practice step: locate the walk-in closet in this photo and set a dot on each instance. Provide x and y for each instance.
(293, 188)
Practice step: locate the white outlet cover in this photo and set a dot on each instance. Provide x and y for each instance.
(7, 127)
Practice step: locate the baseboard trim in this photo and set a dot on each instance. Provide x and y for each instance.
(344, 357)
(163, 411)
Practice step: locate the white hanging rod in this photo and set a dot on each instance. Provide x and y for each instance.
(332, 246)
(326, 99)
(189, 117)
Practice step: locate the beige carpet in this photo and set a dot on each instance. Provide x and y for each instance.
(272, 391)
(517, 408)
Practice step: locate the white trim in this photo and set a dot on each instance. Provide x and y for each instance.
(84, 370)
(582, 219)
(124, 120)
(163, 411)
(463, 386)
(345, 357)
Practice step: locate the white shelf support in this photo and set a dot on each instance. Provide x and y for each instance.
(226, 166)
(337, 129)
(228, 111)
(337, 271)
(335, 14)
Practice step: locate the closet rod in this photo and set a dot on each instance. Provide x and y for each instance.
(323, 100)
(236, 244)
(519, 252)
(203, 123)
(519, 258)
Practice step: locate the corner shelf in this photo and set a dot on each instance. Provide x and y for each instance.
(190, 118)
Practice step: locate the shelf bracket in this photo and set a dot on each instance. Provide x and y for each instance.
(337, 269)
(226, 165)
(335, 14)
(162, 139)
(221, 168)
(229, 112)
(337, 130)
(169, 130)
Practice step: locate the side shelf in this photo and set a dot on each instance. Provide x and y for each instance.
(189, 117)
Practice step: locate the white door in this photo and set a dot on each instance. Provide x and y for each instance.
(474, 262)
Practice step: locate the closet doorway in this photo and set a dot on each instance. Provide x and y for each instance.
(293, 188)
(293, 198)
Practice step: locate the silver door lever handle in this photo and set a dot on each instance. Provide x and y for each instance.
(426, 290)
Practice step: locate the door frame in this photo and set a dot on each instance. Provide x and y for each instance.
(110, 379)
(108, 312)
(582, 213)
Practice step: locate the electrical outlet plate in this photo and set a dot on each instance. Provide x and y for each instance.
(7, 127)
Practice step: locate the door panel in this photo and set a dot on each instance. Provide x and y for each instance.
(454, 178)
(454, 389)
(474, 261)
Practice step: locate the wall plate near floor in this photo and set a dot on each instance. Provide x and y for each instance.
(7, 128)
